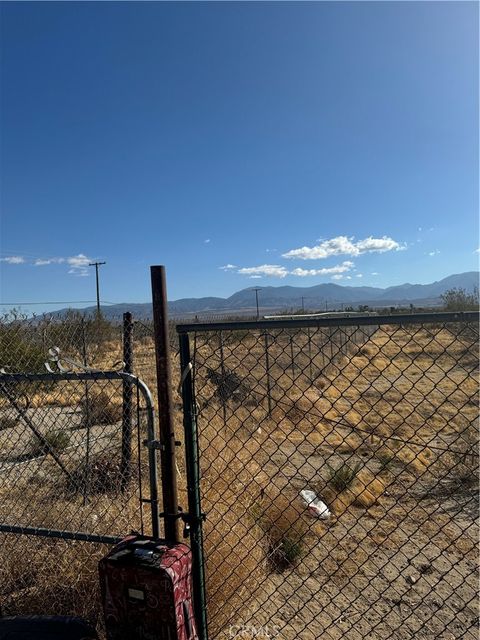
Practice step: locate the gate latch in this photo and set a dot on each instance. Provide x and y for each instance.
(154, 444)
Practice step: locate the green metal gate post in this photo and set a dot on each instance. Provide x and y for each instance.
(193, 486)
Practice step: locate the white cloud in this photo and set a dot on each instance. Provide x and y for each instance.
(433, 253)
(79, 265)
(338, 276)
(375, 273)
(359, 275)
(207, 241)
(79, 261)
(81, 271)
(13, 260)
(40, 262)
(477, 250)
(342, 245)
(228, 267)
(272, 270)
(254, 277)
(277, 271)
(339, 268)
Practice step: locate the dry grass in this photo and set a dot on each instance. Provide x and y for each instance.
(384, 407)
(102, 474)
(100, 408)
(53, 576)
(235, 553)
(283, 520)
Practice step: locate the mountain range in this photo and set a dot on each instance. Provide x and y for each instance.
(318, 297)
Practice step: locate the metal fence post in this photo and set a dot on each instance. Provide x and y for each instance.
(165, 403)
(127, 400)
(193, 486)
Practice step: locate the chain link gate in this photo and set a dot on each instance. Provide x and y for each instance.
(337, 463)
(78, 472)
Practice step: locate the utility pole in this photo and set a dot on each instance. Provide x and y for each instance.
(96, 265)
(257, 289)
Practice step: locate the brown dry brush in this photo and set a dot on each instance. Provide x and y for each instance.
(251, 533)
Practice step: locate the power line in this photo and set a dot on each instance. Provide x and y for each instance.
(60, 302)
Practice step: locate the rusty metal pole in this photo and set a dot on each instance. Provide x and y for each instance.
(165, 404)
(127, 404)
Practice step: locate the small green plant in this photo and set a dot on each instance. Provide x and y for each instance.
(285, 528)
(343, 477)
(285, 553)
(20, 346)
(53, 440)
(7, 422)
(386, 460)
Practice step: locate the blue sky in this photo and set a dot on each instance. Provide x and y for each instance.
(290, 143)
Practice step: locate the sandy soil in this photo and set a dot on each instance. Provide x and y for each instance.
(396, 559)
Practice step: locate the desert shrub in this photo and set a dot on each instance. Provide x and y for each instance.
(322, 383)
(98, 408)
(285, 527)
(458, 299)
(102, 474)
(369, 351)
(20, 346)
(81, 336)
(342, 477)
(7, 422)
(285, 553)
(229, 385)
(351, 487)
(53, 440)
(386, 460)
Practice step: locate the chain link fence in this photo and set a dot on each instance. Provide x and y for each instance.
(339, 476)
(375, 416)
(76, 470)
(87, 339)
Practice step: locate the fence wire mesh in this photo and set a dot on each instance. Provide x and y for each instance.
(378, 419)
(89, 340)
(75, 474)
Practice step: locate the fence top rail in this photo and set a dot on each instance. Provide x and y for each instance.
(70, 375)
(289, 323)
(82, 376)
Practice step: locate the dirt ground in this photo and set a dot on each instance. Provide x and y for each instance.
(394, 407)
(398, 557)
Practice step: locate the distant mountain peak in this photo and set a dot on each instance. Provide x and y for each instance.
(315, 297)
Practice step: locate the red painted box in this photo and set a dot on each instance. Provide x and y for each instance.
(146, 591)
